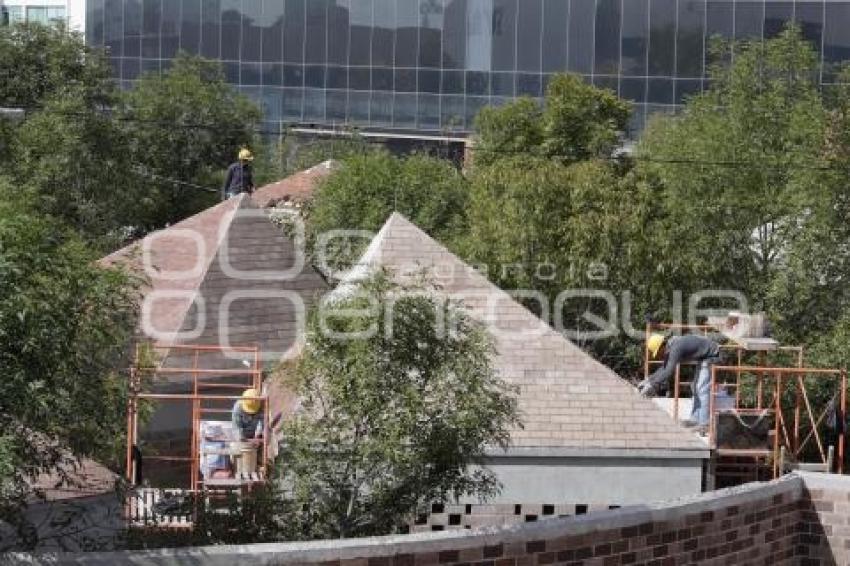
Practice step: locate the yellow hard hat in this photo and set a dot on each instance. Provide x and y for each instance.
(245, 155)
(653, 344)
(250, 406)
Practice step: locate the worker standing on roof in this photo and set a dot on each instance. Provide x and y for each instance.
(246, 418)
(240, 176)
(681, 349)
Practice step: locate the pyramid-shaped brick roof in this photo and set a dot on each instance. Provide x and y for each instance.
(229, 260)
(567, 399)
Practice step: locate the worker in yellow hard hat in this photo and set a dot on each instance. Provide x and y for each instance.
(240, 175)
(682, 349)
(247, 419)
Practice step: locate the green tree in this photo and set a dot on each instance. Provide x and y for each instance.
(64, 327)
(398, 405)
(185, 127)
(74, 161)
(739, 174)
(362, 193)
(67, 153)
(577, 122)
(42, 61)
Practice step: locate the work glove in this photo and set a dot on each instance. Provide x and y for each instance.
(647, 389)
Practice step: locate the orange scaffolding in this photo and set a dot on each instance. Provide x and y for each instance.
(772, 385)
(204, 403)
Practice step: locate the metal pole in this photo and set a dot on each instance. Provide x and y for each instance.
(676, 393)
(646, 351)
(777, 417)
(844, 421)
(712, 440)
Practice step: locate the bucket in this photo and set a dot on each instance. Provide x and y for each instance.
(246, 461)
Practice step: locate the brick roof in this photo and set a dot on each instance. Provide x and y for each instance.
(566, 398)
(296, 188)
(227, 260)
(85, 478)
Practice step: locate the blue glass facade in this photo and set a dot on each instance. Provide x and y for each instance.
(430, 65)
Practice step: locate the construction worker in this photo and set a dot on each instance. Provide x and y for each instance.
(240, 177)
(246, 417)
(677, 350)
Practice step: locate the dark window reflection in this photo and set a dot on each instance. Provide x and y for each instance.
(749, 18)
(453, 82)
(315, 39)
(429, 111)
(635, 37)
(211, 29)
(660, 91)
(504, 34)
(430, 32)
(360, 30)
(454, 34)
(407, 33)
(809, 16)
(150, 27)
(231, 29)
(776, 16)
(383, 33)
(113, 21)
(382, 78)
(529, 35)
(252, 37)
(662, 37)
(477, 83)
(190, 26)
(528, 84)
(555, 35)
(337, 32)
(607, 37)
(836, 41)
(582, 17)
(170, 30)
(381, 109)
(293, 31)
(689, 42)
(404, 111)
(429, 81)
(133, 31)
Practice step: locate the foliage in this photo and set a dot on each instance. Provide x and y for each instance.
(746, 185)
(292, 153)
(577, 122)
(73, 159)
(391, 419)
(45, 61)
(369, 187)
(185, 127)
(64, 326)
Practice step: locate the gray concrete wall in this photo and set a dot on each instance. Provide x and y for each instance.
(595, 480)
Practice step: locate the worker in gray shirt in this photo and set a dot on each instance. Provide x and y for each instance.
(681, 349)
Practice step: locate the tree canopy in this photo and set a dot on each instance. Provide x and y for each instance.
(399, 403)
(184, 128)
(369, 186)
(64, 326)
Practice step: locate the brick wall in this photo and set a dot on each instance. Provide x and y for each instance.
(824, 529)
(751, 524)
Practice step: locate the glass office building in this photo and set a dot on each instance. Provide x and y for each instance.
(428, 66)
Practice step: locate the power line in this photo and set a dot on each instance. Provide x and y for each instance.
(684, 161)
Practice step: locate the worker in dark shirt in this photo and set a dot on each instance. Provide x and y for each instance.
(240, 177)
(681, 349)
